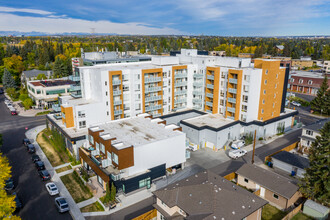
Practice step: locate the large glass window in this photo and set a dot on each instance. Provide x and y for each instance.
(97, 145)
(91, 139)
(102, 148)
(52, 92)
(144, 182)
(115, 158)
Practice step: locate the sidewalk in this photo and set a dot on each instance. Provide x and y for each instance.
(74, 209)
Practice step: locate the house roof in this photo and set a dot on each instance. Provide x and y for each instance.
(268, 179)
(292, 159)
(35, 73)
(209, 196)
(316, 79)
(317, 207)
(318, 125)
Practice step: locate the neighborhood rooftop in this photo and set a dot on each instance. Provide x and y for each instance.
(293, 159)
(211, 120)
(51, 83)
(318, 125)
(135, 131)
(269, 180)
(208, 196)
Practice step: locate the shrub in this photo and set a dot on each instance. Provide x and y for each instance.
(23, 96)
(260, 139)
(27, 103)
(248, 139)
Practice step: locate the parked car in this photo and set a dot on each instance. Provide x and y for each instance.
(40, 165)
(61, 204)
(9, 105)
(237, 153)
(13, 112)
(1, 91)
(237, 144)
(44, 175)
(192, 147)
(35, 158)
(296, 103)
(26, 142)
(7, 101)
(9, 184)
(52, 189)
(31, 149)
(18, 202)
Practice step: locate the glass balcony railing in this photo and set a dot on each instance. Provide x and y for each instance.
(210, 77)
(180, 101)
(153, 89)
(56, 107)
(196, 100)
(180, 92)
(58, 116)
(197, 92)
(209, 95)
(74, 78)
(117, 102)
(118, 112)
(76, 95)
(210, 86)
(75, 88)
(230, 117)
(178, 84)
(153, 107)
(198, 84)
(117, 92)
(232, 100)
(180, 75)
(156, 115)
(116, 82)
(209, 104)
(153, 98)
(196, 75)
(152, 79)
(231, 80)
(209, 111)
(232, 90)
(230, 109)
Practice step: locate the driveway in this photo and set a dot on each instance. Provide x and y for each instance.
(37, 203)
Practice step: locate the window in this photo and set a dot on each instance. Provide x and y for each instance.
(246, 88)
(82, 124)
(38, 91)
(91, 139)
(275, 196)
(301, 80)
(275, 85)
(266, 72)
(244, 108)
(107, 112)
(273, 105)
(262, 111)
(163, 203)
(310, 82)
(261, 118)
(81, 114)
(292, 80)
(263, 101)
(247, 78)
(264, 91)
(246, 180)
(162, 217)
(266, 82)
(144, 182)
(308, 132)
(97, 146)
(276, 76)
(106, 93)
(105, 83)
(102, 148)
(245, 98)
(115, 158)
(274, 95)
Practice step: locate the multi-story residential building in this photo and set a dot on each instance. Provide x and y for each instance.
(206, 195)
(233, 87)
(46, 92)
(326, 66)
(133, 152)
(309, 134)
(306, 82)
(303, 62)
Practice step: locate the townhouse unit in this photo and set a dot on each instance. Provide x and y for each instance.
(279, 191)
(206, 195)
(133, 152)
(46, 92)
(306, 82)
(309, 134)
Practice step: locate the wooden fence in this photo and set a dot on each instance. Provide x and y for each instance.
(293, 212)
(288, 148)
(147, 216)
(230, 176)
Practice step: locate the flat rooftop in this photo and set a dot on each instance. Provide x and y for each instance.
(211, 120)
(135, 131)
(69, 100)
(307, 74)
(52, 83)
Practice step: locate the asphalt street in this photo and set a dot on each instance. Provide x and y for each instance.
(37, 203)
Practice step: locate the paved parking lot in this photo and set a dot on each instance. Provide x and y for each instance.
(207, 158)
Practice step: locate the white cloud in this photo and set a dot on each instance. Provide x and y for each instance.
(11, 22)
(26, 10)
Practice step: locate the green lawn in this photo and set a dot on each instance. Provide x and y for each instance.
(301, 216)
(76, 187)
(94, 207)
(272, 213)
(43, 113)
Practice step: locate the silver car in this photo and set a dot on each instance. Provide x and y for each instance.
(61, 204)
(52, 189)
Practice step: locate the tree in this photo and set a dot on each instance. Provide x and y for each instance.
(113, 192)
(27, 103)
(58, 68)
(8, 80)
(316, 181)
(319, 103)
(12, 93)
(41, 76)
(14, 63)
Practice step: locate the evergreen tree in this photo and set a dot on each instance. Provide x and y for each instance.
(58, 68)
(8, 80)
(112, 192)
(316, 181)
(320, 103)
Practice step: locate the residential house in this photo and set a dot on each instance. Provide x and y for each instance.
(310, 132)
(30, 75)
(279, 191)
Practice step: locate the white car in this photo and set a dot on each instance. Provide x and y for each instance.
(52, 189)
(192, 147)
(295, 103)
(237, 153)
(9, 105)
(7, 101)
(237, 144)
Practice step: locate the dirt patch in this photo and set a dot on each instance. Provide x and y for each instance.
(49, 151)
(94, 207)
(76, 187)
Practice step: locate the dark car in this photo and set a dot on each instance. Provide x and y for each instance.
(26, 142)
(13, 112)
(17, 201)
(1, 91)
(31, 149)
(9, 184)
(40, 165)
(44, 175)
(35, 158)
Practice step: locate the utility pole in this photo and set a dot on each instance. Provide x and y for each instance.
(254, 145)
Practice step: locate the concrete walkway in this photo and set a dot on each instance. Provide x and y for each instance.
(63, 165)
(65, 172)
(74, 209)
(87, 202)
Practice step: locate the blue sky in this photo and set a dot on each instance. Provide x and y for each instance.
(208, 17)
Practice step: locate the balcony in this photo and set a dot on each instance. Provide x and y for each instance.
(76, 95)
(152, 79)
(116, 82)
(180, 75)
(209, 86)
(232, 100)
(75, 88)
(232, 90)
(198, 84)
(180, 92)
(199, 76)
(74, 78)
(58, 116)
(118, 112)
(180, 101)
(209, 104)
(56, 107)
(232, 118)
(197, 92)
(234, 81)
(210, 77)
(209, 95)
(153, 108)
(179, 84)
(117, 92)
(153, 98)
(153, 89)
(156, 115)
(230, 109)
(196, 100)
(117, 102)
